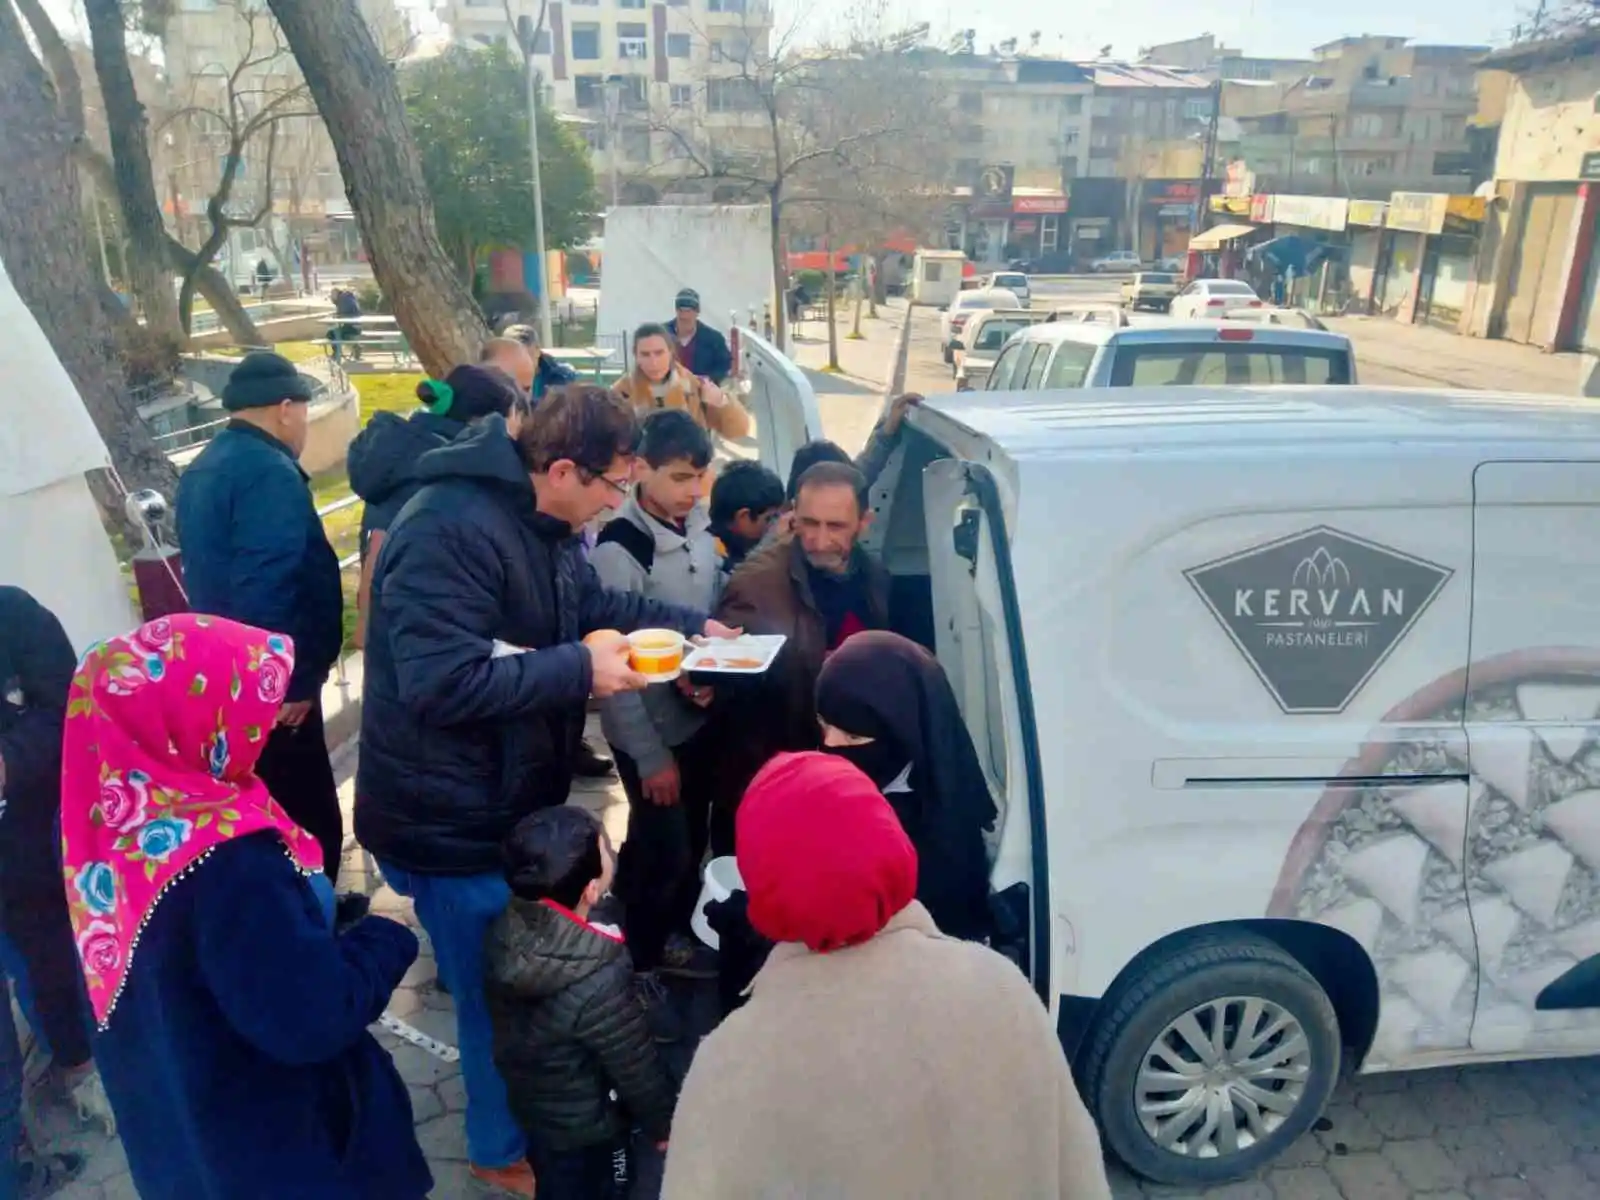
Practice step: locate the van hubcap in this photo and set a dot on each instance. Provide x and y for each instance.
(1222, 1077)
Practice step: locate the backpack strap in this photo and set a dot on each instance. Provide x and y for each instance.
(639, 543)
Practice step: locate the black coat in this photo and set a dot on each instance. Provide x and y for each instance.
(568, 1030)
(458, 744)
(37, 663)
(709, 355)
(382, 462)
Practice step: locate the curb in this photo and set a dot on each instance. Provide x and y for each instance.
(902, 349)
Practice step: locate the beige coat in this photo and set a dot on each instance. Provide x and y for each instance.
(685, 391)
(913, 1067)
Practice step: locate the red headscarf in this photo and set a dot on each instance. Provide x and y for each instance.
(824, 859)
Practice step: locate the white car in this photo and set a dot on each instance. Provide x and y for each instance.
(1012, 281)
(1213, 298)
(955, 315)
(1116, 262)
(982, 340)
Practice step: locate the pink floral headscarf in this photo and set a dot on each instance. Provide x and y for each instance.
(164, 729)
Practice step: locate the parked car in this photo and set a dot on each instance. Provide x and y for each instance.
(1213, 297)
(1012, 281)
(1287, 700)
(1171, 262)
(1149, 289)
(955, 314)
(1116, 262)
(982, 339)
(1083, 353)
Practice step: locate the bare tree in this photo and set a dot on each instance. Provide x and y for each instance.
(823, 128)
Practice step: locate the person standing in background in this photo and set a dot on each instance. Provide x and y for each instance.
(254, 551)
(659, 381)
(701, 350)
(548, 372)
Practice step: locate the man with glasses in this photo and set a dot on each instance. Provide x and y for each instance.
(476, 680)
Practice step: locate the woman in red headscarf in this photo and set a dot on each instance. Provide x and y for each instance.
(231, 1016)
(876, 1056)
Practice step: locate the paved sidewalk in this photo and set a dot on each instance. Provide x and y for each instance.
(851, 398)
(1421, 356)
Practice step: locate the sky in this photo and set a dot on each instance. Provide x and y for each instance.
(1273, 28)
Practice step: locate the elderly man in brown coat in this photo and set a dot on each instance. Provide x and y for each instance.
(877, 1059)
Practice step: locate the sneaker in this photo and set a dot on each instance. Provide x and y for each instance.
(662, 1019)
(42, 1175)
(590, 763)
(514, 1180)
(688, 959)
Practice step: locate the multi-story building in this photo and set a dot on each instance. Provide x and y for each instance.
(225, 60)
(1205, 57)
(1371, 116)
(662, 90)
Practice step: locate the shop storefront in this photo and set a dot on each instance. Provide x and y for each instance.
(1445, 288)
(1095, 208)
(1037, 230)
(1167, 213)
(994, 232)
(1364, 226)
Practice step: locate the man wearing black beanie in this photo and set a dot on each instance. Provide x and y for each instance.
(254, 551)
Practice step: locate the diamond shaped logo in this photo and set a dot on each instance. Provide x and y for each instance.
(1315, 614)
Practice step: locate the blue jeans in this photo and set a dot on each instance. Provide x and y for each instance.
(456, 911)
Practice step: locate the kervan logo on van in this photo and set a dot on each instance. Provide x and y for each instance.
(1316, 613)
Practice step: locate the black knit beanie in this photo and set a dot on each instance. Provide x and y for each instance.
(469, 392)
(263, 379)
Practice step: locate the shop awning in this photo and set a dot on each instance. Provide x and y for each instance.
(1213, 238)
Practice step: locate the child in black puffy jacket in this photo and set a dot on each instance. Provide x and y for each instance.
(580, 1066)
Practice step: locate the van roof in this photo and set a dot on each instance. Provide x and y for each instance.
(1048, 425)
(1139, 330)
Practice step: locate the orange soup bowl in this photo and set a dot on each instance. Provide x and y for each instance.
(657, 654)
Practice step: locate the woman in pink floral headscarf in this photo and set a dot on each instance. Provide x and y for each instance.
(232, 1018)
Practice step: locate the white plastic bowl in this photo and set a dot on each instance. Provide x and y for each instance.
(721, 880)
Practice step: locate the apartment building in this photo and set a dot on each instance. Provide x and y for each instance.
(660, 89)
(1206, 57)
(1370, 116)
(204, 44)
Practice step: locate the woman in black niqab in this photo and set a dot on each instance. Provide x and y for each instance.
(887, 706)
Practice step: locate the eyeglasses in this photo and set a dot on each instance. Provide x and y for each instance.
(620, 487)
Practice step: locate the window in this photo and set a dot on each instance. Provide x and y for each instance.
(630, 3)
(1070, 367)
(732, 95)
(1006, 366)
(1198, 109)
(541, 40)
(199, 5)
(1072, 106)
(1049, 233)
(589, 90)
(681, 96)
(1366, 125)
(933, 272)
(994, 333)
(633, 94)
(1237, 365)
(1036, 366)
(726, 6)
(633, 40)
(585, 40)
(636, 145)
(678, 45)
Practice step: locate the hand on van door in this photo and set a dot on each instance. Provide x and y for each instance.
(898, 408)
(664, 787)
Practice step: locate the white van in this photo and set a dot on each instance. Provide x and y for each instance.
(1291, 704)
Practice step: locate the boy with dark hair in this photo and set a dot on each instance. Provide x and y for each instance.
(745, 499)
(570, 1038)
(659, 545)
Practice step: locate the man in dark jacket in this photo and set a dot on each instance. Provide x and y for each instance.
(570, 1033)
(701, 349)
(476, 682)
(548, 372)
(254, 551)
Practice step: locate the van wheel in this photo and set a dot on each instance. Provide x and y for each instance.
(1208, 1063)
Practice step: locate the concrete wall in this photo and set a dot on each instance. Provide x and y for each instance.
(284, 329)
(1550, 121)
(334, 424)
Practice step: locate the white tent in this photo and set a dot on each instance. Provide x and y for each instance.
(51, 539)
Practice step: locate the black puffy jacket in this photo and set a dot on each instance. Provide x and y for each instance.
(382, 461)
(568, 1030)
(457, 744)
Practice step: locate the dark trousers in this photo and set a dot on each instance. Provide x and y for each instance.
(658, 869)
(33, 911)
(592, 1173)
(297, 772)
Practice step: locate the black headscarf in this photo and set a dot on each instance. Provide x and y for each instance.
(886, 687)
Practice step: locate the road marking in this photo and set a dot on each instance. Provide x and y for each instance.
(410, 1033)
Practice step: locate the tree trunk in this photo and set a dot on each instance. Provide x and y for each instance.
(356, 94)
(780, 268)
(833, 296)
(130, 152)
(50, 262)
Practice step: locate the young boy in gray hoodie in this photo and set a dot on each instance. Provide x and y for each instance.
(659, 543)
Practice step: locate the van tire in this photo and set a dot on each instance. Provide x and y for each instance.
(1140, 1008)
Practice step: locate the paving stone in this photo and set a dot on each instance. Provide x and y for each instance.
(1503, 1095)
(453, 1091)
(1307, 1152)
(1347, 1127)
(443, 1138)
(1501, 1189)
(425, 1105)
(1453, 1106)
(1478, 1151)
(1367, 1176)
(1123, 1185)
(1304, 1183)
(1245, 1189)
(1397, 1114)
(1561, 1181)
(1590, 1162)
(419, 1068)
(1423, 1164)
(1531, 1140)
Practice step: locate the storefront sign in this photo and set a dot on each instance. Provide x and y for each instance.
(1240, 183)
(988, 211)
(1179, 192)
(1589, 168)
(1260, 208)
(1366, 212)
(1310, 212)
(1039, 204)
(1466, 208)
(1025, 225)
(1418, 212)
(1237, 206)
(994, 183)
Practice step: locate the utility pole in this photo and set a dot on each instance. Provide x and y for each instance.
(527, 35)
(1203, 205)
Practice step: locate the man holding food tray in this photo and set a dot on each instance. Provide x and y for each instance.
(489, 631)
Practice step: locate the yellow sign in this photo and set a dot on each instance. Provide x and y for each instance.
(1468, 208)
(1238, 206)
(1417, 212)
(1367, 212)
